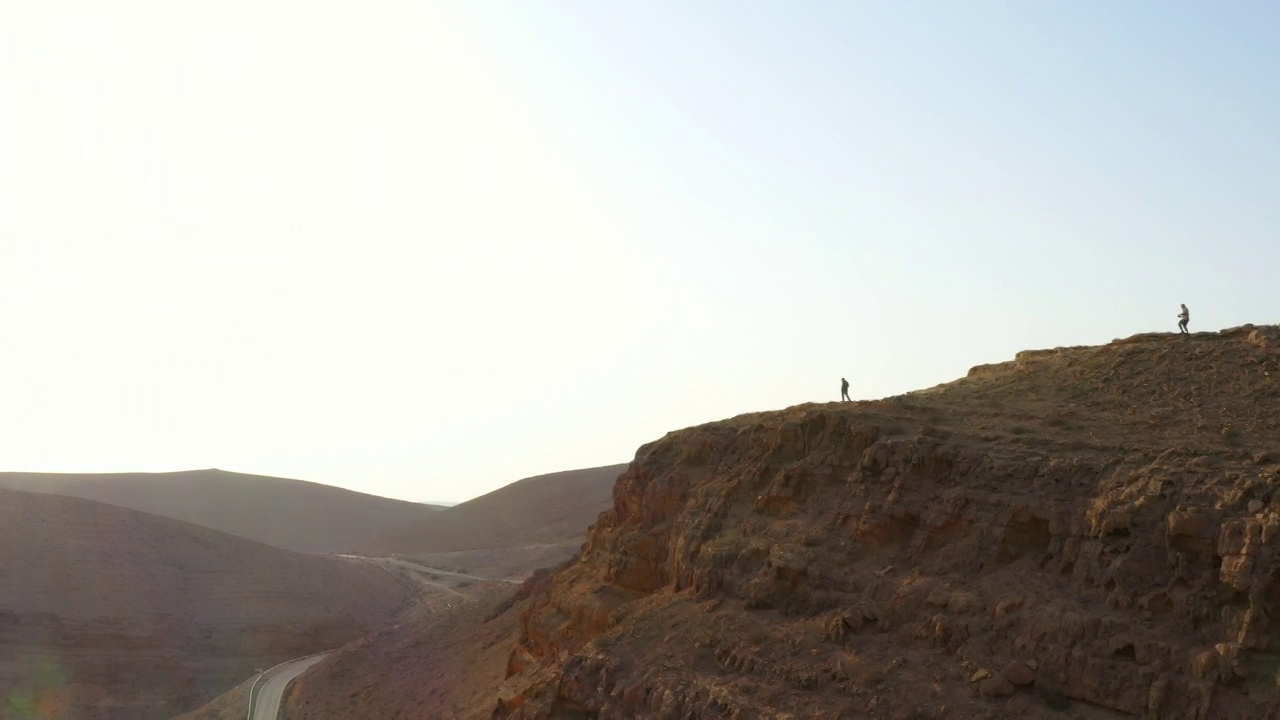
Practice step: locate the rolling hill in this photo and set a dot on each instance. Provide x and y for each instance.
(107, 612)
(291, 514)
(546, 509)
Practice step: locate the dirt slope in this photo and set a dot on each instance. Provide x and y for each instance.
(545, 509)
(442, 664)
(1087, 529)
(107, 612)
(291, 514)
(441, 660)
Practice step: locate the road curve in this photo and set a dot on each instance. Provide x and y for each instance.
(269, 690)
(429, 570)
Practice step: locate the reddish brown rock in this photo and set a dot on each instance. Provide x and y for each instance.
(1205, 665)
(1078, 506)
(1018, 673)
(1019, 706)
(996, 686)
(1192, 524)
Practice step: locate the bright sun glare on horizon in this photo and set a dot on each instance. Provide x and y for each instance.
(423, 250)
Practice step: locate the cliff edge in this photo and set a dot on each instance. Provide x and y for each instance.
(1092, 528)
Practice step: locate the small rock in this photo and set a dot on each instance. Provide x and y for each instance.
(788, 560)
(1004, 607)
(962, 602)
(1018, 673)
(1204, 665)
(938, 598)
(980, 675)
(996, 687)
(1019, 706)
(1193, 524)
(1255, 506)
(1033, 664)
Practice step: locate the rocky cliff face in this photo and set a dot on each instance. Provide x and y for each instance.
(1084, 528)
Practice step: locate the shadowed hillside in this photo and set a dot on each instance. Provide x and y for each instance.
(291, 514)
(107, 612)
(553, 508)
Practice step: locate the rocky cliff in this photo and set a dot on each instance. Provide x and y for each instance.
(1091, 528)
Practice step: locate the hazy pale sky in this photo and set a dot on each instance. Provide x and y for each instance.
(426, 249)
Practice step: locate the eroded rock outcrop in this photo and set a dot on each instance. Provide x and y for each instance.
(1093, 528)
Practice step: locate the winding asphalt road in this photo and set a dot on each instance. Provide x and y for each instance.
(424, 569)
(269, 692)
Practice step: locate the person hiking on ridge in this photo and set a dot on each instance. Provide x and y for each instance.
(1183, 318)
(844, 389)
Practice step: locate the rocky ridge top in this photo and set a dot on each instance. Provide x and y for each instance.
(1088, 527)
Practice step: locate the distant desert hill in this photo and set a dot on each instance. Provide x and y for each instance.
(553, 508)
(291, 514)
(108, 613)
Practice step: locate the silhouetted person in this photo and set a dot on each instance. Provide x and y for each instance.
(844, 389)
(1183, 318)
